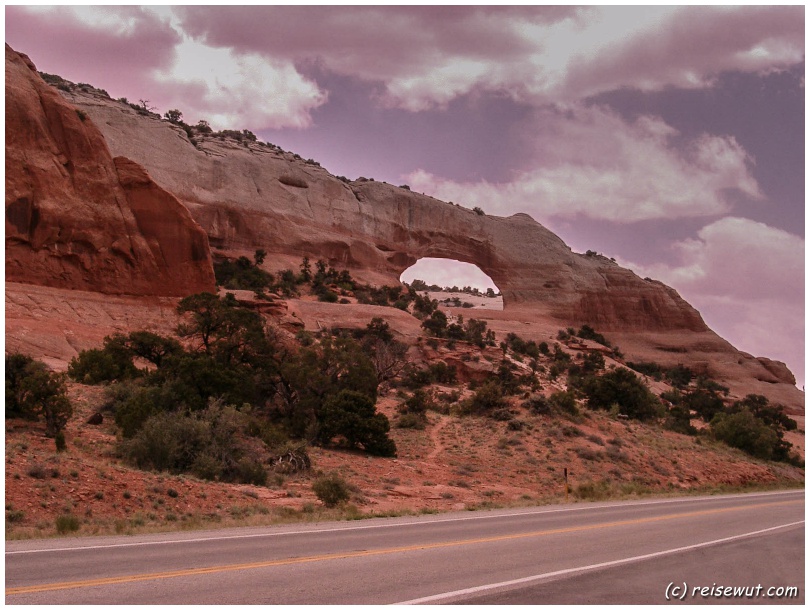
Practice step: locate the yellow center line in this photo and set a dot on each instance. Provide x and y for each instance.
(57, 586)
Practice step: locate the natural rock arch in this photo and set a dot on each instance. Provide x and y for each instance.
(448, 272)
(252, 196)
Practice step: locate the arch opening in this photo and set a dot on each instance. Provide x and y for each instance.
(454, 283)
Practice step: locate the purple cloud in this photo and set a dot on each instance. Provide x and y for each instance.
(589, 162)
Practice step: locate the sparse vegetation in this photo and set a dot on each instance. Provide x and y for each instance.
(66, 524)
(32, 391)
(331, 489)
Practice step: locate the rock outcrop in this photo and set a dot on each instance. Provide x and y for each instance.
(249, 196)
(76, 218)
(142, 223)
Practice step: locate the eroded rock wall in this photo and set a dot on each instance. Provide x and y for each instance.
(75, 218)
(247, 196)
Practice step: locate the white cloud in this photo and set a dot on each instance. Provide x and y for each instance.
(739, 258)
(241, 89)
(747, 280)
(426, 56)
(591, 162)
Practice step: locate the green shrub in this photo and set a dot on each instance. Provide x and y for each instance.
(327, 296)
(59, 440)
(353, 416)
(564, 402)
(745, 431)
(251, 471)
(331, 489)
(242, 274)
(33, 391)
(679, 376)
(650, 369)
(209, 443)
(14, 516)
(679, 419)
(412, 420)
(417, 404)
(67, 523)
(704, 402)
(436, 324)
(95, 366)
(441, 372)
(586, 332)
(488, 397)
(623, 388)
(538, 404)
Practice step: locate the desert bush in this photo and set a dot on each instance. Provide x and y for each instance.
(502, 414)
(515, 425)
(650, 369)
(14, 516)
(441, 372)
(538, 404)
(414, 378)
(59, 440)
(291, 458)
(487, 398)
(95, 366)
(33, 391)
(745, 431)
(66, 524)
(331, 489)
(210, 444)
(436, 324)
(418, 404)
(353, 416)
(564, 402)
(328, 296)
(623, 388)
(679, 376)
(411, 420)
(250, 471)
(242, 274)
(37, 471)
(590, 490)
(704, 402)
(679, 419)
(586, 332)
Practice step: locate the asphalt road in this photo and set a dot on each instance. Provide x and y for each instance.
(620, 552)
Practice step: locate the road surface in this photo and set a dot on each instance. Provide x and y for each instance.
(690, 549)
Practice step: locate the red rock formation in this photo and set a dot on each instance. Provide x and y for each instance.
(77, 219)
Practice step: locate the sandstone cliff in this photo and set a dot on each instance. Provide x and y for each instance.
(246, 195)
(76, 218)
(251, 196)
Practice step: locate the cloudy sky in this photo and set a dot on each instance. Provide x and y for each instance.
(671, 139)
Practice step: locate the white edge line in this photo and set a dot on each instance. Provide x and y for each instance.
(383, 525)
(595, 566)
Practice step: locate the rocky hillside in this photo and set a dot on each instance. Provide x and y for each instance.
(104, 197)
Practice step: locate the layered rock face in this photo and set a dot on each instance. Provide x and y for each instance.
(250, 196)
(75, 217)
